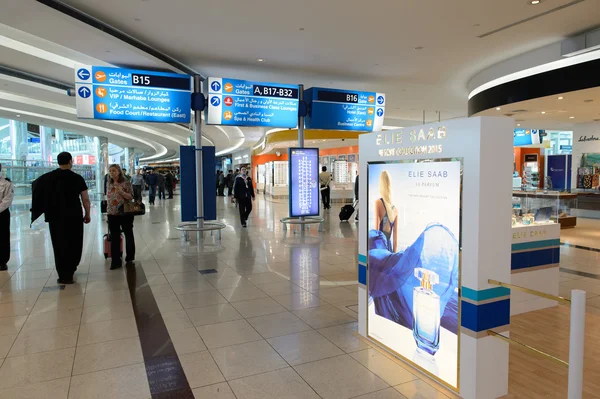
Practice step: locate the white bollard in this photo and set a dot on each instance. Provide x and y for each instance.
(576, 343)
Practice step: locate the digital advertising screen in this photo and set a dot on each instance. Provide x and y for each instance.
(414, 217)
(304, 181)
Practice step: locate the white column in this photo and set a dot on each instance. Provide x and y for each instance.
(130, 160)
(46, 134)
(101, 144)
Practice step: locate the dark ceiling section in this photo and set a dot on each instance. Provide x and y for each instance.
(96, 23)
(4, 70)
(576, 77)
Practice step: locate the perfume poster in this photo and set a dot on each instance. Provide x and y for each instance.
(413, 262)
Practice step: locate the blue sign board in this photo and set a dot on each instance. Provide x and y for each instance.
(559, 170)
(131, 95)
(566, 147)
(234, 102)
(304, 181)
(523, 137)
(334, 109)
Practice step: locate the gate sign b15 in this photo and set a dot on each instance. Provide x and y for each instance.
(132, 95)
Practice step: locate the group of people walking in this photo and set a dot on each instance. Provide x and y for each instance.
(240, 188)
(157, 183)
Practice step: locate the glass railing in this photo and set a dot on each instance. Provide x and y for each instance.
(23, 173)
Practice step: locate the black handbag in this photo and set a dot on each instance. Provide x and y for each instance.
(132, 209)
(103, 206)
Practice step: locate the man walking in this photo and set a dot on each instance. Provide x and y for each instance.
(244, 194)
(160, 179)
(152, 184)
(137, 181)
(324, 180)
(7, 193)
(169, 183)
(57, 195)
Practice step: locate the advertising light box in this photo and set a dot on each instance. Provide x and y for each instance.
(234, 102)
(414, 216)
(526, 137)
(119, 94)
(334, 109)
(303, 181)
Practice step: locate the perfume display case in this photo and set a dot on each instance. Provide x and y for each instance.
(342, 184)
(534, 264)
(539, 207)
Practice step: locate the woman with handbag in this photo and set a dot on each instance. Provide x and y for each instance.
(119, 192)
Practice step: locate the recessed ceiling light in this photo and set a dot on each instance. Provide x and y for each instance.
(534, 2)
(260, 60)
(301, 29)
(498, 108)
(476, 26)
(571, 117)
(137, 19)
(543, 112)
(419, 48)
(588, 101)
(560, 98)
(518, 124)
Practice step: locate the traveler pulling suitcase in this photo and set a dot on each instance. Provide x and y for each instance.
(107, 240)
(347, 211)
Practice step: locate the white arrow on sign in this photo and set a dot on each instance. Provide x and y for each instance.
(84, 92)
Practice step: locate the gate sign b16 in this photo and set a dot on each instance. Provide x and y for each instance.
(132, 95)
(334, 109)
(234, 102)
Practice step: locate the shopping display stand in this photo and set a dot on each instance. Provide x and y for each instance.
(468, 216)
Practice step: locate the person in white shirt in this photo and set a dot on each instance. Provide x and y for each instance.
(7, 193)
(324, 180)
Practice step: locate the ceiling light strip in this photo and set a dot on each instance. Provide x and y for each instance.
(15, 73)
(118, 34)
(531, 18)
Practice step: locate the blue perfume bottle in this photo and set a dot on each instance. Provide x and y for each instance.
(426, 312)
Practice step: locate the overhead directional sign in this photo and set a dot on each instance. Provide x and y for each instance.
(334, 109)
(132, 95)
(235, 102)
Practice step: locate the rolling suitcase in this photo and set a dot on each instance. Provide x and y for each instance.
(346, 212)
(107, 240)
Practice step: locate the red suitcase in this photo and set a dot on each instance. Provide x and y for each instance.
(107, 240)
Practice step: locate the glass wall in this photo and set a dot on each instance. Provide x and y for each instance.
(561, 142)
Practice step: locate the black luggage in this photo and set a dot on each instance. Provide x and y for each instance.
(346, 212)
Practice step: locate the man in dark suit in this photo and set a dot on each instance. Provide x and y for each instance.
(244, 194)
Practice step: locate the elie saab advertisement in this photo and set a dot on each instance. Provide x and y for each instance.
(413, 262)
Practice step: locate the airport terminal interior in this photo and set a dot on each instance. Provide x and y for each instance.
(320, 206)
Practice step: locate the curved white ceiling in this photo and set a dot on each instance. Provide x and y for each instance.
(316, 43)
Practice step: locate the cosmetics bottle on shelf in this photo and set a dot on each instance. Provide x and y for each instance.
(426, 312)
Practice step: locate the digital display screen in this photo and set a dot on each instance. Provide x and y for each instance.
(304, 181)
(413, 216)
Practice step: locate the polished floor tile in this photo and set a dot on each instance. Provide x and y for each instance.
(248, 359)
(107, 355)
(54, 389)
(111, 311)
(228, 333)
(187, 341)
(216, 391)
(125, 382)
(279, 384)
(29, 342)
(345, 337)
(38, 367)
(388, 393)
(56, 319)
(11, 325)
(108, 330)
(419, 389)
(213, 314)
(323, 316)
(243, 293)
(304, 347)
(299, 300)
(278, 324)
(340, 377)
(200, 369)
(199, 299)
(385, 368)
(258, 307)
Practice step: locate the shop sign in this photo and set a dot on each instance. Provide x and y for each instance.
(132, 95)
(334, 109)
(234, 102)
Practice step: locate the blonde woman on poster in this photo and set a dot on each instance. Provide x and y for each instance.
(386, 214)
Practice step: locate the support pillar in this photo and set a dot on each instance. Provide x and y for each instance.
(130, 160)
(60, 139)
(18, 147)
(46, 134)
(101, 144)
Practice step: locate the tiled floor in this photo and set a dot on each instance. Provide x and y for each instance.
(276, 320)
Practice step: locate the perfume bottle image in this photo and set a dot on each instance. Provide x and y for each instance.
(426, 312)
